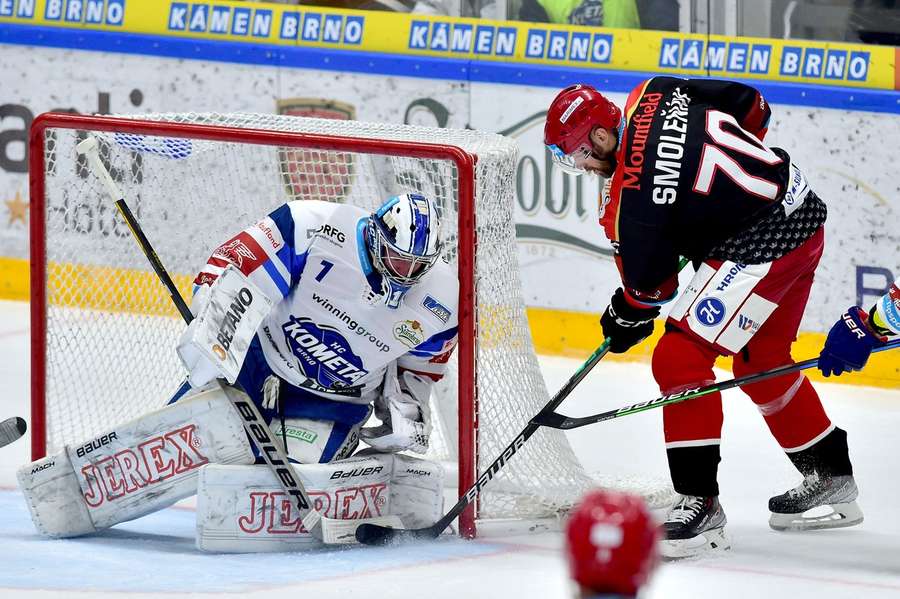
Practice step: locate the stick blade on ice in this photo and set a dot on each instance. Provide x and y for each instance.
(376, 535)
(11, 429)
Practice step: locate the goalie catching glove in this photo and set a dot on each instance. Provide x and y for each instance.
(403, 411)
(626, 325)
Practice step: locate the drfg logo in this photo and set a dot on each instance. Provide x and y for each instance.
(332, 234)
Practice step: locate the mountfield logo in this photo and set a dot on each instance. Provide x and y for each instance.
(639, 125)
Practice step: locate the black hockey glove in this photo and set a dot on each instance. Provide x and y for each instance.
(625, 325)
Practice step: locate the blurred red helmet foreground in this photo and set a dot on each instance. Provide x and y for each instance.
(611, 543)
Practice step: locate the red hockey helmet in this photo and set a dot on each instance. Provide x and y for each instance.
(611, 543)
(574, 113)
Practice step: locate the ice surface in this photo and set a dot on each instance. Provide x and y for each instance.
(155, 556)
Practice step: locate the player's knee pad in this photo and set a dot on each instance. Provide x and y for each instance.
(793, 412)
(243, 509)
(775, 391)
(680, 362)
(133, 469)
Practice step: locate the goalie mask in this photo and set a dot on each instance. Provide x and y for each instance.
(404, 241)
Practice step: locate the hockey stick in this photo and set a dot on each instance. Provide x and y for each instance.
(560, 421)
(322, 528)
(11, 430)
(373, 534)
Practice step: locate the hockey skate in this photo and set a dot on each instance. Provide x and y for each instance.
(818, 502)
(694, 526)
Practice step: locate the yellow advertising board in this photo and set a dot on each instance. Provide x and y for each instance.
(871, 67)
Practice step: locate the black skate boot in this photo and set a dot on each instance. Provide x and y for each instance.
(693, 526)
(827, 496)
(818, 502)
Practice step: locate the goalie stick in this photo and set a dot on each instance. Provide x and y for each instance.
(325, 529)
(11, 430)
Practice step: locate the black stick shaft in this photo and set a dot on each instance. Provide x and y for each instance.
(561, 421)
(520, 440)
(155, 262)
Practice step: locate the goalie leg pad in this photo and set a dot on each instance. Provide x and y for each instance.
(242, 509)
(417, 491)
(54, 498)
(129, 471)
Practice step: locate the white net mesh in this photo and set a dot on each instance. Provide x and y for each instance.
(111, 329)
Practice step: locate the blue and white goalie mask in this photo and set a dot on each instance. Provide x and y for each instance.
(405, 244)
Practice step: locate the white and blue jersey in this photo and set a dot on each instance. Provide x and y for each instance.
(330, 336)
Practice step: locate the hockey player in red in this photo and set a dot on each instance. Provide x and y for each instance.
(611, 545)
(689, 176)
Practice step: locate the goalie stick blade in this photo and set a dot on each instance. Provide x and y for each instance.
(11, 429)
(376, 535)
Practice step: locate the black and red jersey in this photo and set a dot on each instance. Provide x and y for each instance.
(692, 173)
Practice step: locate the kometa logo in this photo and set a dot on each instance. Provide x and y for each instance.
(323, 354)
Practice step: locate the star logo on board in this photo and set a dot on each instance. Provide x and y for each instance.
(18, 209)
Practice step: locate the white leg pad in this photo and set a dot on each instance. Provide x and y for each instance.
(242, 509)
(54, 498)
(417, 491)
(133, 469)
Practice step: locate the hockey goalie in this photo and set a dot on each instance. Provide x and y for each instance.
(320, 313)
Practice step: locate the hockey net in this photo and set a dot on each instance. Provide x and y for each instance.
(104, 329)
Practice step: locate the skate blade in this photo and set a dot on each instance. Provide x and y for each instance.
(709, 541)
(839, 515)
